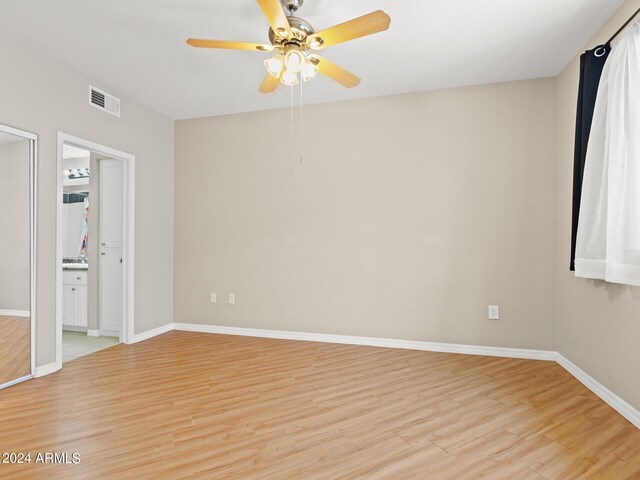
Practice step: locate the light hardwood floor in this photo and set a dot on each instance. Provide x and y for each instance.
(15, 348)
(189, 405)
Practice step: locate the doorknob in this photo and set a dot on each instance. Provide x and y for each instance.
(102, 253)
(103, 244)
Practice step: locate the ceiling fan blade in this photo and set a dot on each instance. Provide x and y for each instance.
(270, 84)
(275, 15)
(336, 73)
(374, 22)
(204, 43)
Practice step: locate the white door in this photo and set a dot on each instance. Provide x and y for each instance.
(111, 246)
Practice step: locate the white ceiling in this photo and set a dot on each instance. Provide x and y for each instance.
(138, 46)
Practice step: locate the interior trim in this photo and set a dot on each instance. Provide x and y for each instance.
(15, 313)
(372, 341)
(152, 333)
(46, 369)
(15, 381)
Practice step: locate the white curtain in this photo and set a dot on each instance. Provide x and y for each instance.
(608, 242)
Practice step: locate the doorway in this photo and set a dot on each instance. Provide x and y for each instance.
(94, 284)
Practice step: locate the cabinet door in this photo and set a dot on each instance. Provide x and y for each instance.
(80, 306)
(68, 304)
(67, 278)
(80, 277)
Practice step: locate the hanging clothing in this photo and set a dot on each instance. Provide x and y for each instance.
(84, 233)
(591, 65)
(608, 238)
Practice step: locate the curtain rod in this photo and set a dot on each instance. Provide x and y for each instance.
(626, 24)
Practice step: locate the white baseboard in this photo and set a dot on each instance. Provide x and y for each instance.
(152, 333)
(99, 333)
(623, 408)
(46, 369)
(372, 341)
(108, 333)
(74, 328)
(15, 313)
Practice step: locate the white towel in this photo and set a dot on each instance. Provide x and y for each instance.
(608, 242)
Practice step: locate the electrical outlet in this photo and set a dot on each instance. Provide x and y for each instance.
(213, 298)
(232, 299)
(494, 312)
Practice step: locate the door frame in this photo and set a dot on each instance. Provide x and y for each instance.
(33, 221)
(127, 326)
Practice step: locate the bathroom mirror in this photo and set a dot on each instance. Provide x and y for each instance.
(17, 255)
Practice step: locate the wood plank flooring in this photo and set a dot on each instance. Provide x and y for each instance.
(190, 405)
(15, 348)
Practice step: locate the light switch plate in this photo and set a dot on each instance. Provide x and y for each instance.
(494, 312)
(213, 298)
(232, 299)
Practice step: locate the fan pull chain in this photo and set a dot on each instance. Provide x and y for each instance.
(301, 133)
(291, 131)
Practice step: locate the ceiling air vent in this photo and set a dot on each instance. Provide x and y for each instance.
(104, 101)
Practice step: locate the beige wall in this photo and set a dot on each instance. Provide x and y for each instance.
(40, 94)
(598, 323)
(408, 217)
(15, 261)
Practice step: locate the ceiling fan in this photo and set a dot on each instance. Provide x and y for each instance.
(293, 37)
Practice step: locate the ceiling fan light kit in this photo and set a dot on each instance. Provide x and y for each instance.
(293, 37)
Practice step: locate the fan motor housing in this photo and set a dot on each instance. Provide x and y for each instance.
(300, 28)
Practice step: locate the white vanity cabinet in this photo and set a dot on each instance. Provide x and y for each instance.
(74, 298)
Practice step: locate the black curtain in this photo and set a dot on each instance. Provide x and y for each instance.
(591, 65)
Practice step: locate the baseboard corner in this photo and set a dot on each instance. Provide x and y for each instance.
(622, 407)
(139, 337)
(47, 369)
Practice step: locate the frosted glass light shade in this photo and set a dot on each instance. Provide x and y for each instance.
(294, 60)
(274, 65)
(309, 70)
(289, 78)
